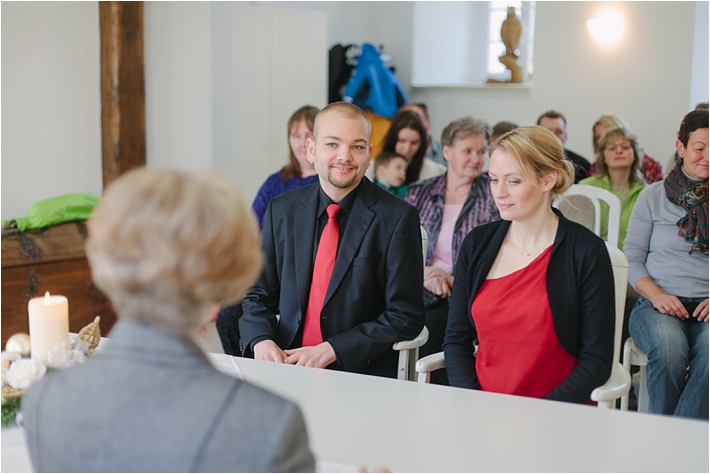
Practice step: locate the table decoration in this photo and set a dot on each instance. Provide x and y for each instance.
(19, 372)
(19, 343)
(49, 324)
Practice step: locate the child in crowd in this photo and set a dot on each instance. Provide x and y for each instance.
(390, 172)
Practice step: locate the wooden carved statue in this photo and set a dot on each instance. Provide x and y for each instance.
(510, 32)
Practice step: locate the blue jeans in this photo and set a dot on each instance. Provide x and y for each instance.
(677, 368)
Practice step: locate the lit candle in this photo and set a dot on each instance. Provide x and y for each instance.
(49, 324)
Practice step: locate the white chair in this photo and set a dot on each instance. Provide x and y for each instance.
(633, 355)
(581, 204)
(619, 383)
(409, 350)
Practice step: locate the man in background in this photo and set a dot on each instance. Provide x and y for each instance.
(557, 124)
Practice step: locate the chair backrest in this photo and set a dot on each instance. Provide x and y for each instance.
(620, 269)
(425, 242)
(581, 204)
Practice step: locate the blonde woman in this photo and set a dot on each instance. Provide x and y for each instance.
(166, 248)
(534, 289)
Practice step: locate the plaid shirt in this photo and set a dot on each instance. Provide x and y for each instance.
(428, 197)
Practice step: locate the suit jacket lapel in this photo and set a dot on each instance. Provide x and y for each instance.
(304, 237)
(358, 223)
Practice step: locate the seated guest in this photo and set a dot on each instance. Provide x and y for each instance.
(651, 170)
(166, 248)
(298, 172)
(534, 289)
(390, 172)
(557, 124)
(407, 137)
(434, 151)
(449, 207)
(667, 249)
(343, 262)
(615, 168)
(500, 129)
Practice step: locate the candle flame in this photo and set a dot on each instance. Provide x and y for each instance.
(47, 300)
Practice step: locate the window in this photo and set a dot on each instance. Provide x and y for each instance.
(457, 44)
(498, 11)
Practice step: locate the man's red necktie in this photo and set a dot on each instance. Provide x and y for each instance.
(322, 270)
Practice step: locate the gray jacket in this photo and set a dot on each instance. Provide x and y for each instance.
(152, 402)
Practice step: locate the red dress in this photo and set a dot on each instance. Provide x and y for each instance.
(518, 351)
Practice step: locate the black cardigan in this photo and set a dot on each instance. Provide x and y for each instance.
(580, 286)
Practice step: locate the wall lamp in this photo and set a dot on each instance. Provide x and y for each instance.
(607, 28)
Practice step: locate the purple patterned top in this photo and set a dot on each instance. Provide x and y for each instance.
(428, 197)
(276, 186)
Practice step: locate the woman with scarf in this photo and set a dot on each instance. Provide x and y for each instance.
(667, 249)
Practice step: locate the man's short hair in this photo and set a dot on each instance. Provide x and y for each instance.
(421, 105)
(501, 128)
(553, 114)
(344, 109)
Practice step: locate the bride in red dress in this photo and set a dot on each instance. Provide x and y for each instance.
(535, 290)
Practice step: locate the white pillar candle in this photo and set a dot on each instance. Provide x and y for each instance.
(49, 324)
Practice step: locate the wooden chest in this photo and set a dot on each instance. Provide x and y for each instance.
(51, 259)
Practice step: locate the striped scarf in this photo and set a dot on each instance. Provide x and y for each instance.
(693, 197)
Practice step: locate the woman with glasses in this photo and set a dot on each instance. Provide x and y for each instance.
(616, 166)
(650, 169)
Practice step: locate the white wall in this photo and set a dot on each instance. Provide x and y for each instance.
(646, 79)
(51, 139)
(701, 56)
(266, 65)
(51, 112)
(222, 79)
(177, 43)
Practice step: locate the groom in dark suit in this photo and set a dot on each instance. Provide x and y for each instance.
(373, 298)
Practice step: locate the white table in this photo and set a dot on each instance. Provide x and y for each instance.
(408, 427)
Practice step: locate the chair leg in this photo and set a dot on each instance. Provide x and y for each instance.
(411, 368)
(403, 365)
(643, 405)
(627, 366)
(424, 377)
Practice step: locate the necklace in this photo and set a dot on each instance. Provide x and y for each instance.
(527, 254)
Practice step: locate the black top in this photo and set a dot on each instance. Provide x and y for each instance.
(581, 165)
(580, 286)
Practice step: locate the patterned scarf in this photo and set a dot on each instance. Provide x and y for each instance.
(693, 197)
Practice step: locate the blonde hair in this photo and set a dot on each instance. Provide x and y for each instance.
(538, 152)
(165, 245)
(602, 169)
(608, 121)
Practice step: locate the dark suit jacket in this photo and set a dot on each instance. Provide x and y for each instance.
(581, 165)
(375, 294)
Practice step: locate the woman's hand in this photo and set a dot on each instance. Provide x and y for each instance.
(438, 282)
(671, 305)
(701, 312)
